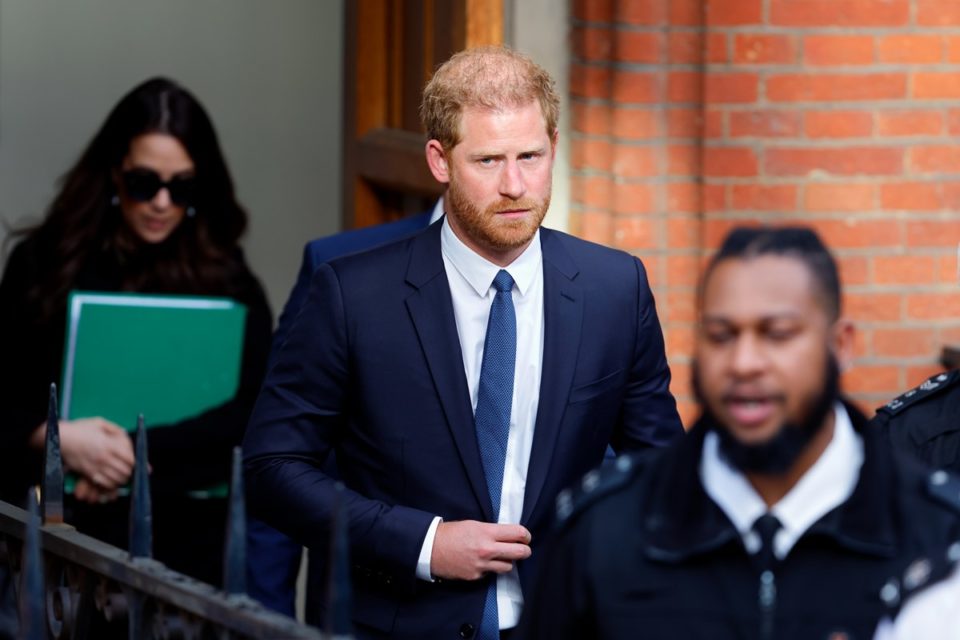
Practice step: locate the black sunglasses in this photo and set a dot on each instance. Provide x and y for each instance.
(142, 185)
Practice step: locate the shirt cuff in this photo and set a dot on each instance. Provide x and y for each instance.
(426, 551)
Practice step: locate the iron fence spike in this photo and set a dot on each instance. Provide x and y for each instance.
(51, 489)
(32, 598)
(141, 511)
(235, 547)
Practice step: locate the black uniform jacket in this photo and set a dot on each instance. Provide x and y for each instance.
(925, 421)
(643, 552)
(191, 453)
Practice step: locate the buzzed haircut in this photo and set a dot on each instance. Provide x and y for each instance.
(802, 243)
(490, 77)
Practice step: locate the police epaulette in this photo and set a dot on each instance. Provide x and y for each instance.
(921, 572)
(917, 575)
(929, 387)
(944, 487)
(594, 485)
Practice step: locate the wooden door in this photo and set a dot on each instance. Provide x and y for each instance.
(392, 48)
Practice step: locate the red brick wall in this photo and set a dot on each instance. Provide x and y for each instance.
(691, 116)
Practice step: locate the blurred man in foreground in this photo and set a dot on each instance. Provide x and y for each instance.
(782, 514)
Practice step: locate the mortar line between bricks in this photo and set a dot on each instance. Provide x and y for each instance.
(794, 68)
(845, 70)
(765, 27)
(866, 106)
(822, 178)
(820, 143)
(872, 215)
(835, 30)
(905, 103)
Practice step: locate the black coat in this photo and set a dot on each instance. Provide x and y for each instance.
(644, 553)
(188, 454)
(925, 421)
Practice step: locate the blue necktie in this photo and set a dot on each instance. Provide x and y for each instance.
(492, 416)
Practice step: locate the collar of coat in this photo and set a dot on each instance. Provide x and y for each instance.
(682, 521)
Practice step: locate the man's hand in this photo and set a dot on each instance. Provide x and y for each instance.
(99, 450)
(467, 549)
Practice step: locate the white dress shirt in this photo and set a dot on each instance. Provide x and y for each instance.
(437, 210)
(471, 286)
(826, 485)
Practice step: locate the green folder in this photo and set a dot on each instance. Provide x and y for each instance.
(167, 357)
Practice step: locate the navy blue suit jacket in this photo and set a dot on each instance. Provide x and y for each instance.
(274, 559)
(318, 251)
(372, 369)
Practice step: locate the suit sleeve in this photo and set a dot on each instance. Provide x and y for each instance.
(649, 415)
(298, 418)
(273, 559)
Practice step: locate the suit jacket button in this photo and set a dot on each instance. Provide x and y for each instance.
(466, 630)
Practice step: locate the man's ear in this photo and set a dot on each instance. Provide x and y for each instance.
(437, 161)
(844, 342)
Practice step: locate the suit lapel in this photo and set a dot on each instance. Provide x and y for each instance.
(431, 310)
(562, 323)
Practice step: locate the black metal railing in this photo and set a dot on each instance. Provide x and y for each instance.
(71, 586)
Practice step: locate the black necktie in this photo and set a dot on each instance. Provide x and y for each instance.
(766, 527)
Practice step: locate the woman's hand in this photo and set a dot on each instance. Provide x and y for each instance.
(85, 491)
(95, 448)
(98, 449)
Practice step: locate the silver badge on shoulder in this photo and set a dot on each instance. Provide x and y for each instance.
(917, 574)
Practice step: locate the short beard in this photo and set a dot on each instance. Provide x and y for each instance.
(778, 455)
(483, 228)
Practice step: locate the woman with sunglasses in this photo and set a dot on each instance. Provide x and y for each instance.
(149, 207)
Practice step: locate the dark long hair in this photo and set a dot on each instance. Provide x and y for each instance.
(200, 256)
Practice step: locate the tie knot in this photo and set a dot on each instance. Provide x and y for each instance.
(766, 527)
(502, 282)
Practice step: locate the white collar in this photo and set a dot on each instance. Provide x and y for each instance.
(437, 210)
(826, 485)
(480, 272)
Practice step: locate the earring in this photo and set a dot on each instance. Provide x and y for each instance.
(115, 200)
(191, 212)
